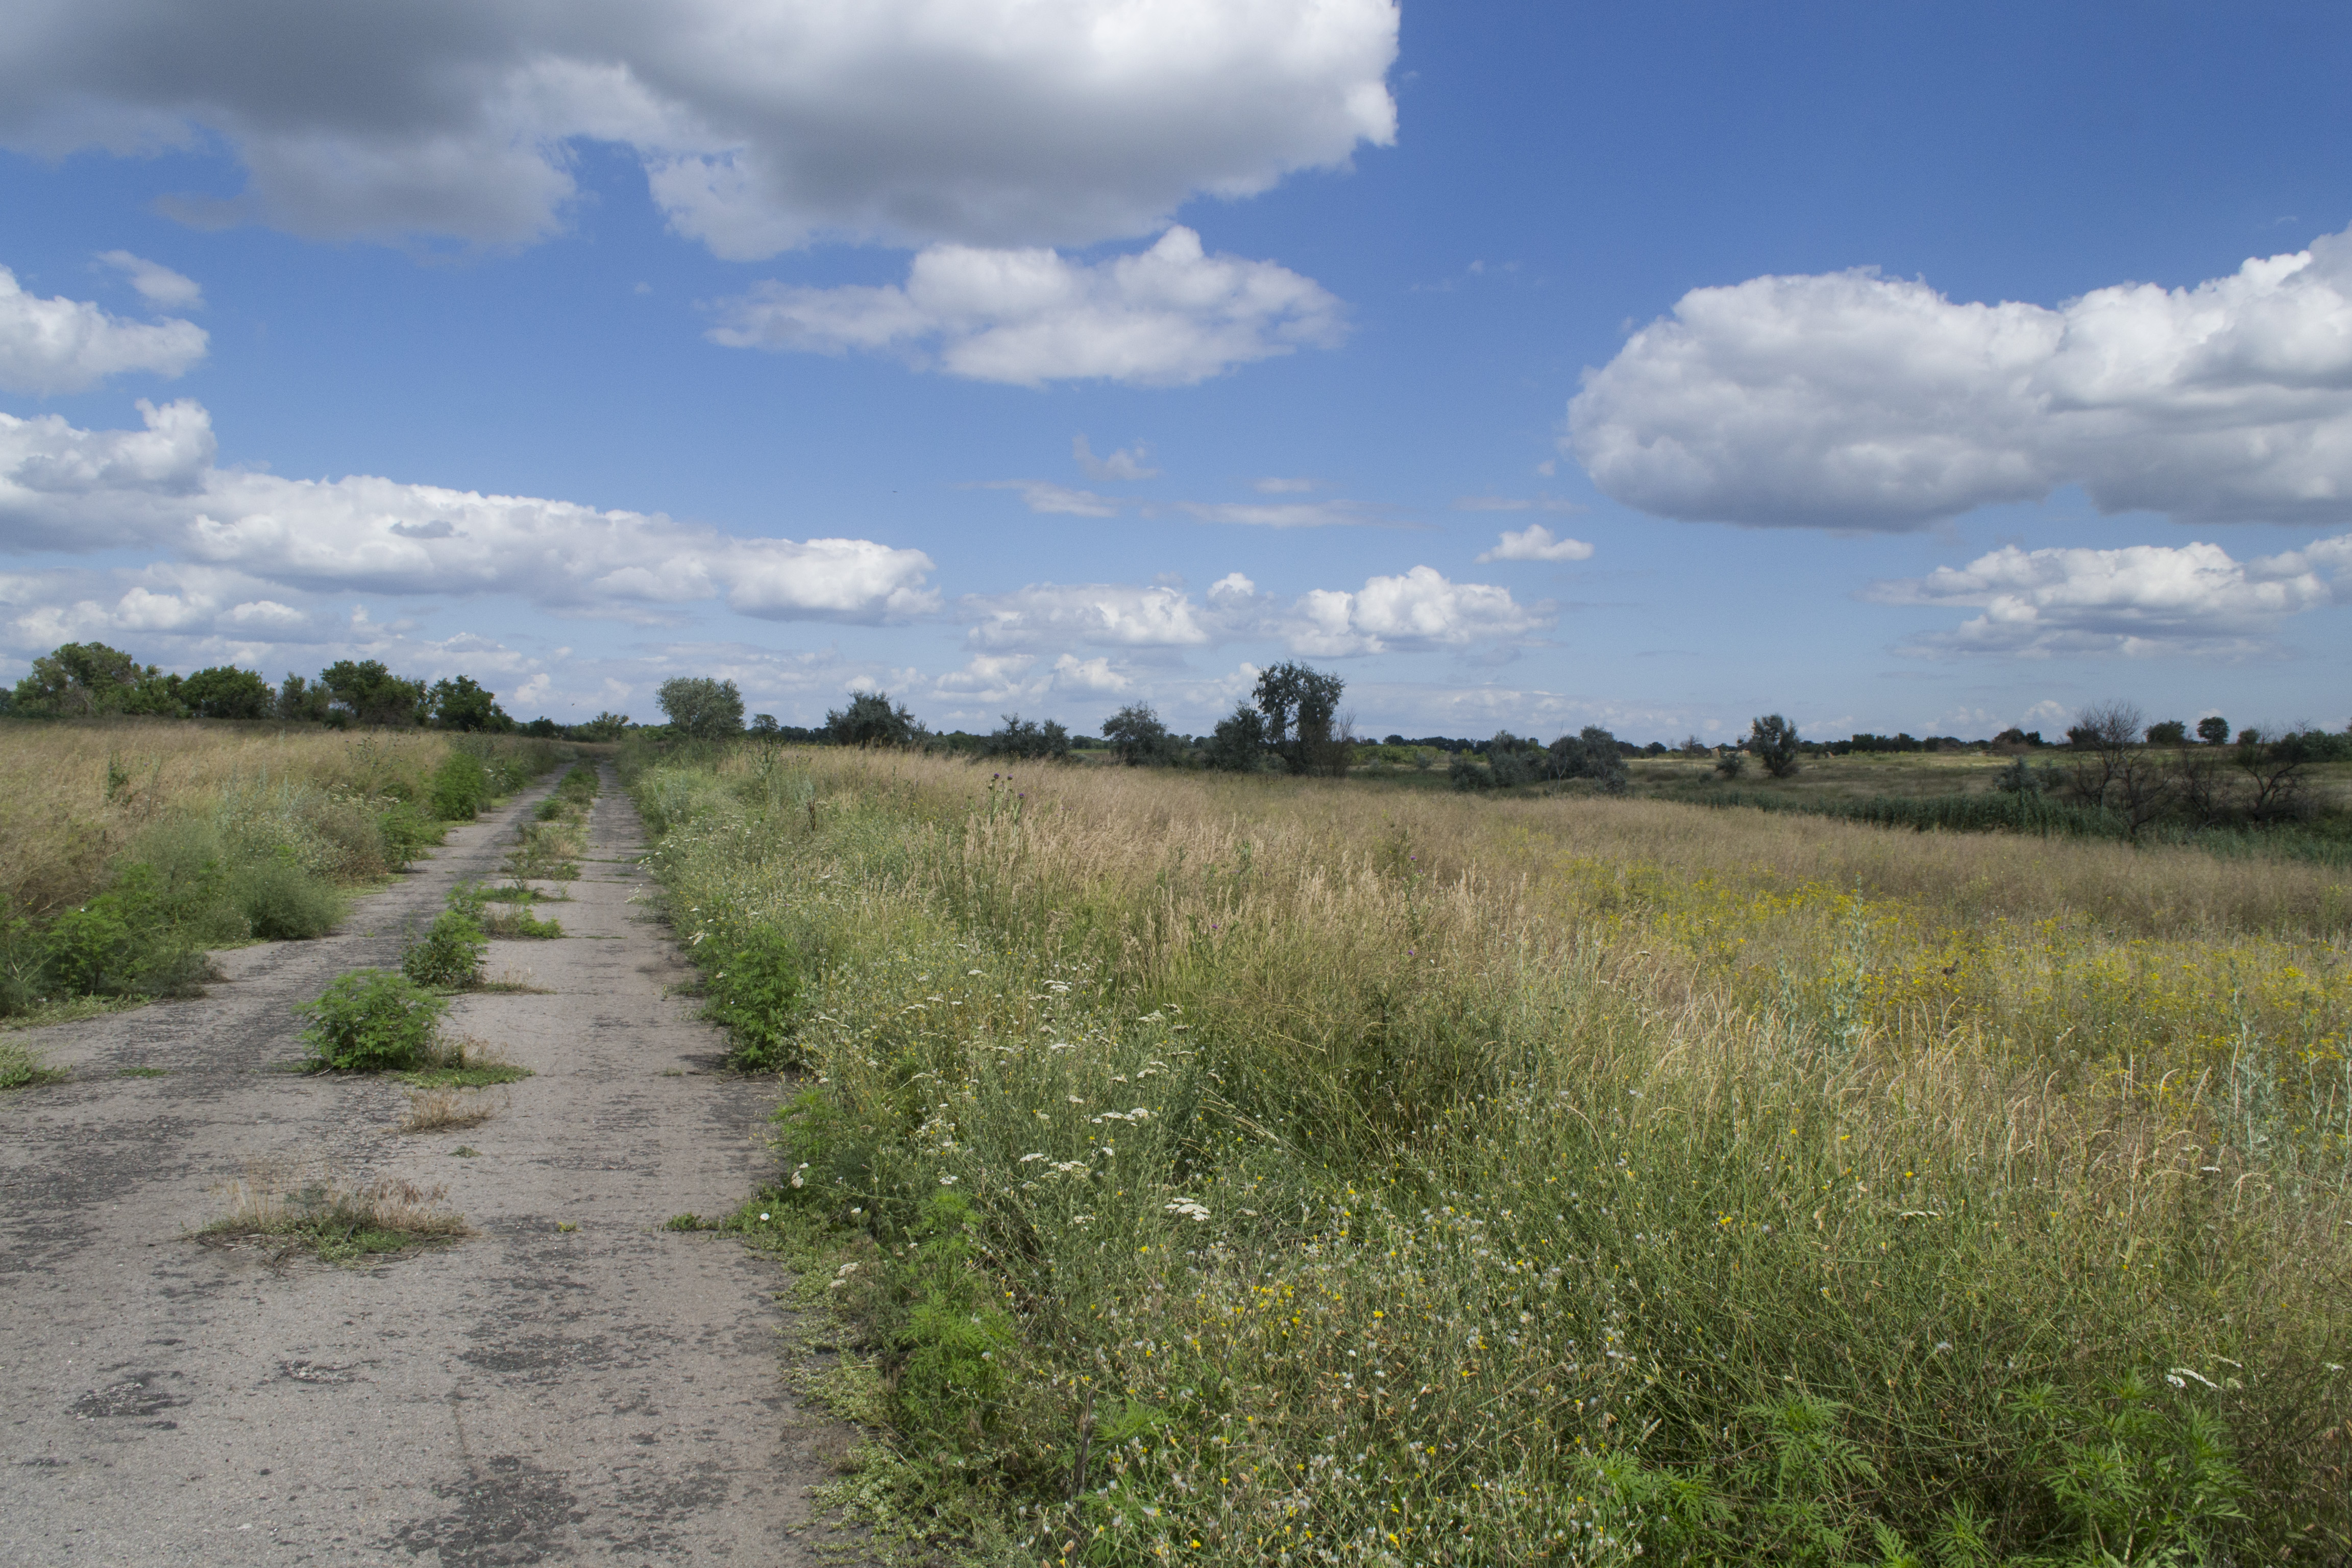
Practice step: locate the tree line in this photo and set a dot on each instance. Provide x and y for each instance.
(85, 680)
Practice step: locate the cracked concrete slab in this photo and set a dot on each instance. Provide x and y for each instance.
(533, 1394)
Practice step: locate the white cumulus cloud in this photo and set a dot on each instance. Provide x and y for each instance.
(760, 126)
(1852, 401)
(157, 284)
(71, 345)
(1535, 542)
(67, 489)
(1168, 316)
(1419, 610)
(2142, 600)
(1127, 463)
(1102, 614)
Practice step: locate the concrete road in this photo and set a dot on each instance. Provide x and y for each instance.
(533, 1393)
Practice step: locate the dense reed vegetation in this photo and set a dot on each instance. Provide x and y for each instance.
(1267, 1169)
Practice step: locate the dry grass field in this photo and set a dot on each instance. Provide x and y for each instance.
(1250, 1170)
(73, 796)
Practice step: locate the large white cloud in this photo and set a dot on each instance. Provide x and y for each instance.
(71, 345)
(1168, 316)
(1853, 401)
(2143, 600)
(761, 123)
(1417, 611)
(63, 489)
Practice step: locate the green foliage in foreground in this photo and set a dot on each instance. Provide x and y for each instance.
(21, 1067)
(373, 1020)
(1315, 1249)
(449, 954)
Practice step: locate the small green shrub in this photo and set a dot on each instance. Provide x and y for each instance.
(448, 954)
(373, 1020)
(279, 901)
(551, 808)
(754, 989)
(521, 922)
(20, 1067)
(407, 832)
(120, 944)
(460, 785)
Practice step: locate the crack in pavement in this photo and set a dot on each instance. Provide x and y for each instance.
(530, 1394)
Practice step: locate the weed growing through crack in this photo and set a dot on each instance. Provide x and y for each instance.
(373, 1020)
(21, 1067)
(334, 1222)
(464, 1062)
(448, 955)
(142, 1072)
(502, 912)
(446, 1109)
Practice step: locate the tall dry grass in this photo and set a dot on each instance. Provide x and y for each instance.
(74, 794)
(1438, 1179)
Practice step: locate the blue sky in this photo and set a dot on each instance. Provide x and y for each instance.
(575, 351)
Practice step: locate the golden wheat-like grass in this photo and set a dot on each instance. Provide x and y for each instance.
(72, 794)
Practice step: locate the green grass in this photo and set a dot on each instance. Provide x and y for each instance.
(339, 1224)
(142, 1072)
(20, 1067)
(1233, 1163)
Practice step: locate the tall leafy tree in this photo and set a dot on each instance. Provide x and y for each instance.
(224, 691)
(1298, 704)
(1772, 740)
(1140, 739)
(698, 706)
(458, 704)
(870, 720)
(367, 693)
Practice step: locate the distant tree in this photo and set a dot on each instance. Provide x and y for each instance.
(1299, 704)
(765, 727)
(2213, 730)
(1028, 740)
(2101, 738)
(603, 727)
(871, 721)
(700, 706)
(1139, 737)
(1772, 740)
(541, 728)
(1238, 745)
(365, 692)
(2012, 736)
(1731, 762)
(224, 691)
(2167, 732)
(303, 701)
(1593, 753)
(459, 704)
(80, 679)
(2274, 768)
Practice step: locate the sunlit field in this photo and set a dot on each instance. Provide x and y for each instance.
(1256, 1170)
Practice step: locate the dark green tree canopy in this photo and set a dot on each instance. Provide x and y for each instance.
(1238, 744)
(458, 704)
(224, 691)
(698, 706)
(368, 693)
(1772, 740)
(2213, 730)
(1298, 704)
(1027, 739)
(80, 679)
(1139, 737)
(870, 720)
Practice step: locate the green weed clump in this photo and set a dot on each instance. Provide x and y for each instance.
(20, 1066)
(337, 1224)
(373, 1020)
(460, 785)
(1219, 1172)
(448, 955)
